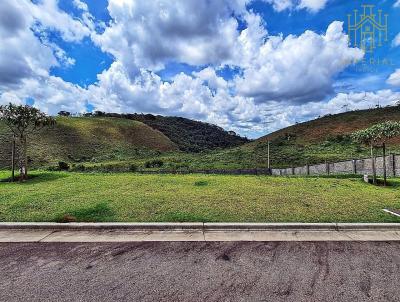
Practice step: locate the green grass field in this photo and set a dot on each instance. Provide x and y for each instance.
(49, 196)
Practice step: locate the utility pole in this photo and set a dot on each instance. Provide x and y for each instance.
(384, 164)
(266, 122)
(13, 159)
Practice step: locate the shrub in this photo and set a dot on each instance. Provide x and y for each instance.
(154, 164)
(63, 166)
(52, 168)
(105, 168)
(133, 168)
(64, 113)
(79, 168)
(180, 166)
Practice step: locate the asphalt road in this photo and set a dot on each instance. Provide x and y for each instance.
(201, 271)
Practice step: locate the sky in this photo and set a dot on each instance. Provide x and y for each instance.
(251, 66)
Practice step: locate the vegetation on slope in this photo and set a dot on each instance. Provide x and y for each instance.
(175, 198)
(188, 135)
(116, 143)
(337, 125)
(89, 139)
(323, 139)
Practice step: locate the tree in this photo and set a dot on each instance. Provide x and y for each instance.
(64, 113)
(23, 121)
(377, 136)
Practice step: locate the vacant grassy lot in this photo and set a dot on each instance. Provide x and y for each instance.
(132, 197)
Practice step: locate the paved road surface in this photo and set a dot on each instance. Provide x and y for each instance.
(200, 271)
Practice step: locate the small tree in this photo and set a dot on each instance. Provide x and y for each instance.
(23, 121)
(64, 113)
(377, 136)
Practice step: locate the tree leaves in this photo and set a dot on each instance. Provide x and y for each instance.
(377, 134)
(23, 120)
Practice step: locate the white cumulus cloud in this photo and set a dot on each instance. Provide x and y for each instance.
(148, 34)
(396, 40)
(394, 78)
(293, 72)
(310, 5)
(27, 55)
(294, 68)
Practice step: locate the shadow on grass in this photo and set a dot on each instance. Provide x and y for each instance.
(99, 212)
(35, 178)
(390, 184)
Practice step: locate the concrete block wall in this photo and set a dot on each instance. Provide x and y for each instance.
(343, 167)
(356, 166)
(318, 169)
(396, 165)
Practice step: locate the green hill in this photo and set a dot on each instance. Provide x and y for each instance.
(128, 141)
(323, 139)
(80, 139)
(326, 138)
(333, 126)
(316, 141)
(188, 135)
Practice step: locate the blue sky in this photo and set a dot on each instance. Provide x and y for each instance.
(90, 60)
(248, 66)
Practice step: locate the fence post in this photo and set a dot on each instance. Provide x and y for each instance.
(13, 159)
(327, 167)
(354, 166)
(293, 172)
(393, 158)
(308, 169)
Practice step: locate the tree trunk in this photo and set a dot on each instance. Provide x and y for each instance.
(25, 159)
(13, 159)
(373, 165)
(384, 164)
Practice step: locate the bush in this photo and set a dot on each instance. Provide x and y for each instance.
(154, 164)
(340, 139)
(133, 168)
(78, 168)
(63, 166)
(180, 166)
(64, 113)
(52, 168)
(105, 168)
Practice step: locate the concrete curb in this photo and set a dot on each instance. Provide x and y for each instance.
(101, 226)
(199, 226)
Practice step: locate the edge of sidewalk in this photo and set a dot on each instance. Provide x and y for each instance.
(155, 226)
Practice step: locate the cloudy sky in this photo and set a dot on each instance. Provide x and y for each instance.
(246, 65)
